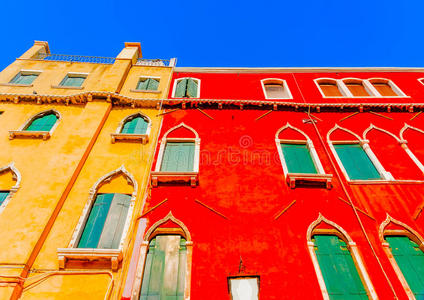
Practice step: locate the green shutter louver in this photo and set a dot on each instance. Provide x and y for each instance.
(137, 125)
(341, 277)
(148, 84)
(178, 157)
(106, 221)
(356, 162)
(298, 158)
(181, 88)
(3, 196)
(165, 269)
(410, 259)
(44, 123)
(191, 88)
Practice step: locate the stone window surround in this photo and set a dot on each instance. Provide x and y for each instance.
(276, 81)
(144, 138)
(21, 132)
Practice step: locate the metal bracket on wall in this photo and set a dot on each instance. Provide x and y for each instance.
(154, 207)
(358, 209)
(211, 209)
(284, 210)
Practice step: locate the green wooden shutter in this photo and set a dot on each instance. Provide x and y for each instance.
(178, 157)
(142, 84)
(138, 125)
(410, 260)
(115, 222)
(94, 226)
(298, 158)
(356, 162)
(181, 88)
(153, 84)
(44, 123)
(191, 88)
(3, 196)
(164, 269)
(338, 269)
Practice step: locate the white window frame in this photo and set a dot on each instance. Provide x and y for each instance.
(340, 85)
(24, 72)
(394, 87)
(174, 87)
(354, 252)
(277, 81)
(115, 255)
(72, 74)
(385, 176)
(241, 277)
(135, 90)
(404, 144)
(144, 137)
(16, 175)
(21, 132)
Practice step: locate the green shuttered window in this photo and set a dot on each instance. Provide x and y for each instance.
(338, 269)
(165, 269)
(356, 162)
(186, 88)
(106, 221)
(298, 158)
(23, 78)
(3, 196)
(410, 260)
(137, 125)
(178, 157)
(73, 80)
(148, 84)
(43, 123)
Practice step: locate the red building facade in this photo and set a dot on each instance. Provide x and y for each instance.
(245, 214)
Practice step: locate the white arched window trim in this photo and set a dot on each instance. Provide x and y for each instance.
(16, 175)
(408, 232)
(404, 143)
(354, 251)
(114, 255)
(21, 132)
(394, 87)
(365, 145)
(174, 87)
(191, 177)
(291, 177)
(144, 138)
(276, 81)
(151, 233)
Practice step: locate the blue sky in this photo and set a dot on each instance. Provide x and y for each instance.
(224, 32)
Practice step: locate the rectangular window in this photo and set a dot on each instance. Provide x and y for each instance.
(275, 91)
(24, 78)
(298, 158)
(106, 221)
(73, 80)
(356, 162)
(178, 157)
(148, 84)
(338, 269)
(3, 196)
(244, 288)
(410, 259)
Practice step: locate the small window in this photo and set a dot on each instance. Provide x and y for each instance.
(275, 89)
(137, 125)
(341, 277)
(178, 157)
(105, 224)
(298, 158)
(73, 80)
(3, 196)
(24, 78)
(356, 162)
(330, 88)
(148, 84)
(357, 88)
(244, 288)
(384, 88)
(165, 268)
(42, 123)
(186, 88)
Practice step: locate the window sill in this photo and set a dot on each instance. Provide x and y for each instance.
(166, 177)
(67, 87)
(90, 254)
(29, 134)
(145, 91)
(382, 181)
(295, 179)
(143, 138)
(16, 84)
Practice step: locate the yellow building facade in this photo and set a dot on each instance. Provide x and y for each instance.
(51, 178)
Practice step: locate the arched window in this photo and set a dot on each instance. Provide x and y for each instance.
(42, 122)
(329, 87)
(135, 127)
(339, 267)
(10, 180)
(357, 88)
(186, 88)
(275, 88)
(385, 88)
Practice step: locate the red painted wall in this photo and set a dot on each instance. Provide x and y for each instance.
(242, 178)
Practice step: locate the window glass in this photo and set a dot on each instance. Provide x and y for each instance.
(178, 157)
(137, 125)
(298, 158)
(275, 91)
(384, 89)
(357, 89)
(165, 268)
(23, 78)
(244, 289)
(330, 89)
(106, 221)
(410, 259)
(73, 80)
(338, 269)
(3, 196)
(148, 84)
(44, 123)
(356, 162)
(186, 88)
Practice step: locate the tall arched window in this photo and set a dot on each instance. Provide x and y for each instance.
(186, 88)
(135, 127)
(357, 87)
(42, 122)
